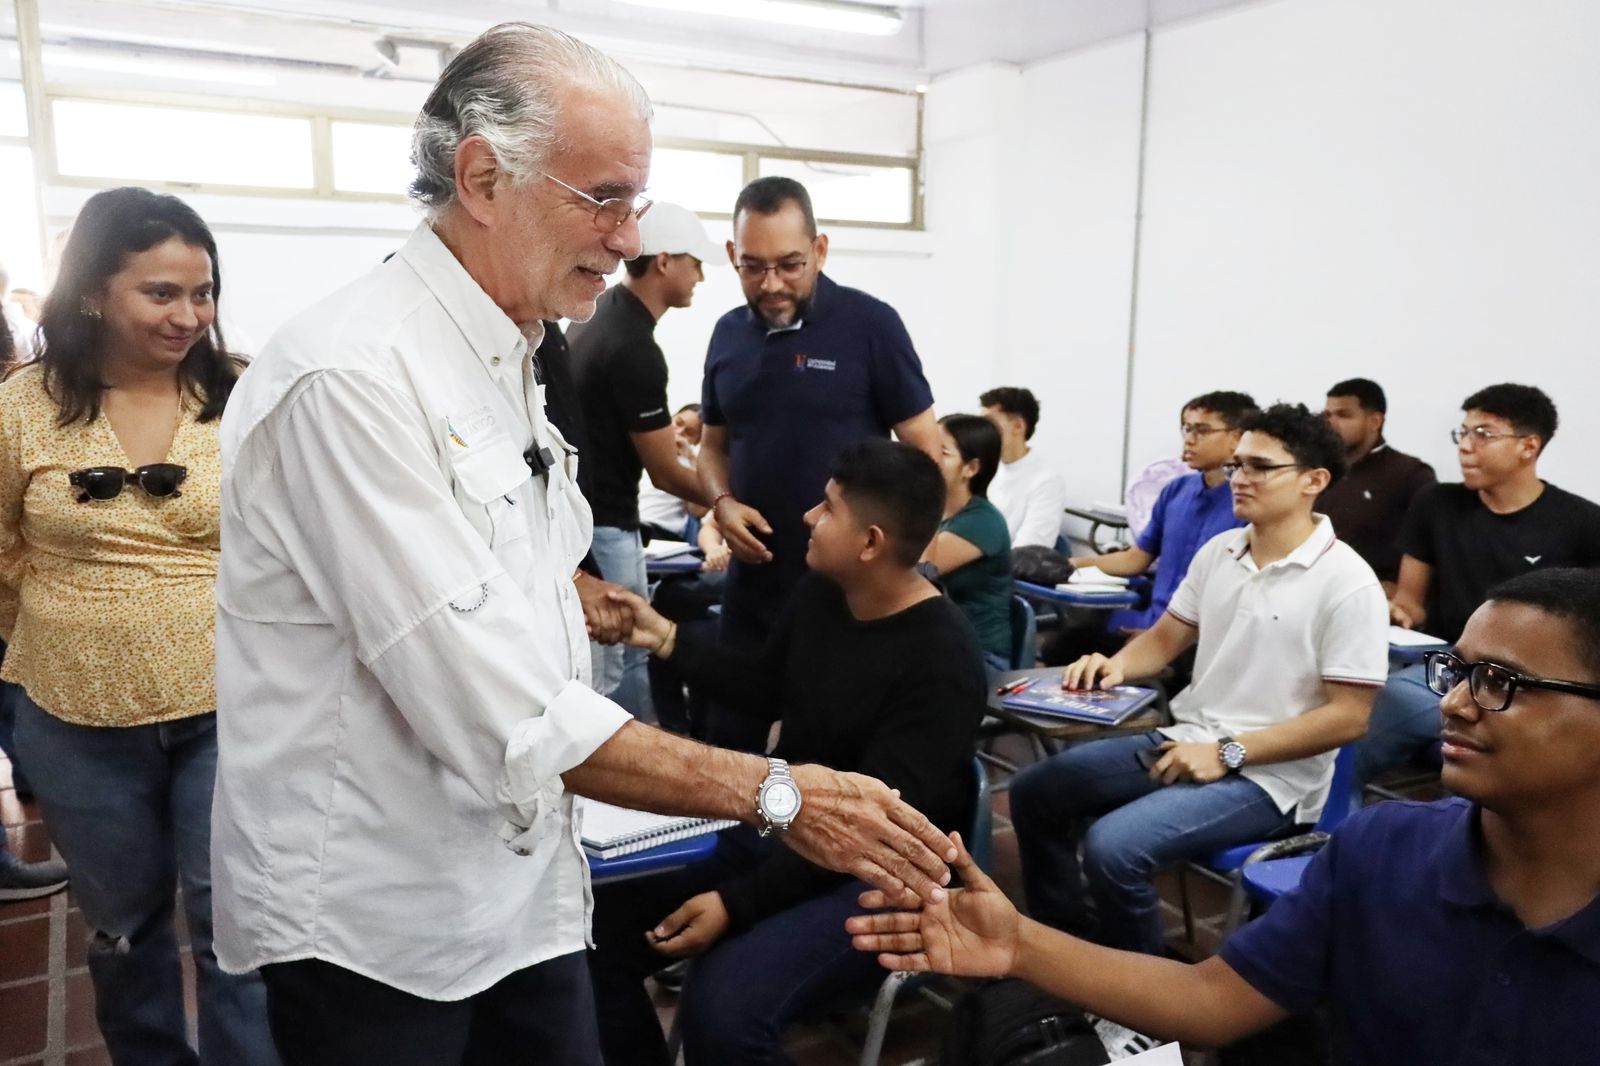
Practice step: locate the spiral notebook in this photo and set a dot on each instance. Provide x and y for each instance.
(610, 831)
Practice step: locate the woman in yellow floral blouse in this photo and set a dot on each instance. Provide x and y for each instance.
(109, 537)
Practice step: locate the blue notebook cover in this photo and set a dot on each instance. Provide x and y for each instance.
(1044, 695)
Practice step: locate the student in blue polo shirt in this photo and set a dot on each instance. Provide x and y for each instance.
(1190, 511)
(805, 368)
(1464, 932)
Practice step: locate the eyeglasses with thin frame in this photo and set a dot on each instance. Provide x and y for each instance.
(1491, 685)
(609, 215)
(99, 483)
(1199, 432)
(1479, 435)
(1254, 471)
(788, 270)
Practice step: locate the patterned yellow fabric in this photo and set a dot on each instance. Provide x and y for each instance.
(107, 606)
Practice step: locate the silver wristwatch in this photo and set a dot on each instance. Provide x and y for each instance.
(1231, 752)
(778, 798)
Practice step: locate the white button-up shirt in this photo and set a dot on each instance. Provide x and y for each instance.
(1269, 638)
(401, 654)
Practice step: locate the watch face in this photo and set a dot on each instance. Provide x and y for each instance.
(1233, 755)
(780, 800)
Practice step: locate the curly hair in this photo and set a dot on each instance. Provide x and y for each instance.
(1304, 434)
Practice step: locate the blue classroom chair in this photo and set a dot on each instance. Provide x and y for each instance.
(1227, 865)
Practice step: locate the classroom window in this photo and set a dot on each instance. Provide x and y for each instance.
(19, 222)
(849, 192)
(137, 142)
(13, 110)
(371, 158)
(706, 182)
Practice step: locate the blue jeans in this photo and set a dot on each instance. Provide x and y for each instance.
(1138, 828)
(1404, 727)
(621, 672)
(747, 989)
(130, 810)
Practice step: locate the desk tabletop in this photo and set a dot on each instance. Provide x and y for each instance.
(1108, 601)
(1065, 729)
(1099, 517)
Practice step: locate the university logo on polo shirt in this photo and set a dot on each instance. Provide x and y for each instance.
(804, 362)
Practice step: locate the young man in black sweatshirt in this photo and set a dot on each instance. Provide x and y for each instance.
(870, 669)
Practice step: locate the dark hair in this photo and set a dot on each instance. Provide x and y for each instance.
(766, 196)
(896, 487)
(1367, 393)
(1305, 435)
(638, 266)
(1568, 593)
(1232, 407)
(976, 438)
(688, 407)
(1014, 401)
(113, 226)
(1528, 409)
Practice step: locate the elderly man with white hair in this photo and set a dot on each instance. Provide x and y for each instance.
(402, 658)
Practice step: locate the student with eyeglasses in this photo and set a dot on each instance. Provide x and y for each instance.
(1460, 539)
(1288, 625)
(807, 367)
(1428, 934)
(1189, 511)
(110, 475)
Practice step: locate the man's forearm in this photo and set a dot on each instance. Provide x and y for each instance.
(1145, 655)
(682, 481)
(1125, 563)
(1206, 1005)
(1332, 725)
(712, 467)
(647, 768)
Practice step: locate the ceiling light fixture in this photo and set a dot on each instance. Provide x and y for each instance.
(871, 19)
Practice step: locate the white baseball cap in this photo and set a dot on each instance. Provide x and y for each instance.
(677, 230)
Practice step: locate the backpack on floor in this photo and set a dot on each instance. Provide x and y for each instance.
(1011, 1023)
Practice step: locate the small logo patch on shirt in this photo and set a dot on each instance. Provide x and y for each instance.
(806, 362)
(1533, 560)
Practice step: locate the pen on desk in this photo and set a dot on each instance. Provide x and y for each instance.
(1014, 687)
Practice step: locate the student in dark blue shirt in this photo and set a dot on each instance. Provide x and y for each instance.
(1464, 932)
(805, 368)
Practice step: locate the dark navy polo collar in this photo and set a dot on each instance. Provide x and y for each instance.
(817, 311)
(1464, 882)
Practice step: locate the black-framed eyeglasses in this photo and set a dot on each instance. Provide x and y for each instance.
(1493, 686)
(788, 270)
(1254, 471)
(107, 482)
(609, 215)
(1479, 435)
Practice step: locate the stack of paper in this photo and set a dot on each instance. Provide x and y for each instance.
(1091, 580)
(666, 549)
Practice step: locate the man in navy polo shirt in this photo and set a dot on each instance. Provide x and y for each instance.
(1465, 932)
(805, 368)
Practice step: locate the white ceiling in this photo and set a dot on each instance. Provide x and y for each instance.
(937, 36)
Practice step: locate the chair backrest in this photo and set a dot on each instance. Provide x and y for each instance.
(1342, 795)
(1024, 634)
(980, 839)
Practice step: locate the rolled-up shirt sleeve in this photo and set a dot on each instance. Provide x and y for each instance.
(344, 484)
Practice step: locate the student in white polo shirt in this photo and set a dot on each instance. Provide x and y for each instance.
(1291, 625)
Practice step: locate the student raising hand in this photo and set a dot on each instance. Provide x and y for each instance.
(972, 932)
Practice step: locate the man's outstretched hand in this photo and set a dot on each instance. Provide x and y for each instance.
(858, 825)
(974, 932)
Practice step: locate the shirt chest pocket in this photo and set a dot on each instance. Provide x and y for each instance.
(488, 486)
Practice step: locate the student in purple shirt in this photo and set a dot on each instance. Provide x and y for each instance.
(1464, 932)
(1190, 511)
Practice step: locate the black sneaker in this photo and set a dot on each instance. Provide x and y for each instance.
(30, 880)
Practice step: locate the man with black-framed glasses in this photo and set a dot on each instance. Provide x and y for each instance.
(1443, 934)
(805, 368)
(1460, 539)
(1288, 626)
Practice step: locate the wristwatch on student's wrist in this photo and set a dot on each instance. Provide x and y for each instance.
(1231, 752)
(778, 798)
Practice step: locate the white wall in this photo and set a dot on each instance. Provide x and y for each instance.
(1401, 189)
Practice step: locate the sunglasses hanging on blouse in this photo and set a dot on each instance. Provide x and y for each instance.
(107, 482)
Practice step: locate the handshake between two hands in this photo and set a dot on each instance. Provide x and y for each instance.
(614, 615)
